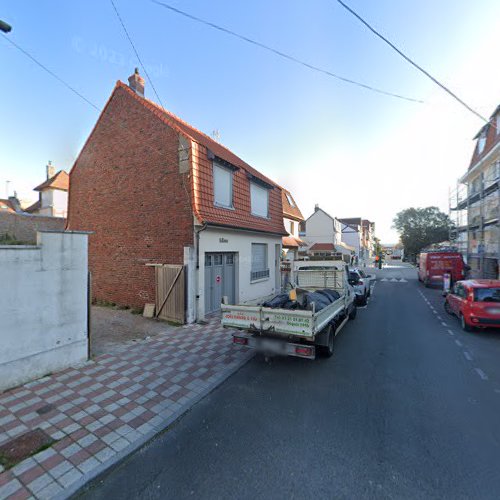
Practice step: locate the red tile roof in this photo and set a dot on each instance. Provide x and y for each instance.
(57, 181)
(34, 207)
(318, 247)
(492, 139)
(292, 242)
(6, 206)
(203, 198)
(289, 210)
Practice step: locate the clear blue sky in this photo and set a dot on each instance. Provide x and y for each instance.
(329, 142)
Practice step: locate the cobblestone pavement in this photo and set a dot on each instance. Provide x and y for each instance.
(102, 411)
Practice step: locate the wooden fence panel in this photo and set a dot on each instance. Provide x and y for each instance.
(171, 293)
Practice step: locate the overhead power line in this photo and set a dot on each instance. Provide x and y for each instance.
(413, 63)
(136, 53)
(282, 54)
(50, 72)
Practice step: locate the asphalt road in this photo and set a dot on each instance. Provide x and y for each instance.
(399, 411)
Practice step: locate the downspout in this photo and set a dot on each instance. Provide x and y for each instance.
(197, 244)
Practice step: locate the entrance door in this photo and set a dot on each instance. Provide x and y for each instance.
(220, 279)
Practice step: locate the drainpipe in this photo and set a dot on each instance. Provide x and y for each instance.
(197, 244)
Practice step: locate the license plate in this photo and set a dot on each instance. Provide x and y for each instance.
(270, 345)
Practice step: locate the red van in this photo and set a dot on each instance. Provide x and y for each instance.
(433, 265)
(476, 303)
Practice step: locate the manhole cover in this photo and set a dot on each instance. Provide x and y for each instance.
(23, 446)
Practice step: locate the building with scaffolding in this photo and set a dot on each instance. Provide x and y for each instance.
(475, 204)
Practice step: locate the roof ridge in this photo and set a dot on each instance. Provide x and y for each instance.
(167, 116)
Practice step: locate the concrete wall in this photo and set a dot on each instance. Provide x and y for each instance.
(239, 242)
(43, 307)
(54, 203)
(24, 226)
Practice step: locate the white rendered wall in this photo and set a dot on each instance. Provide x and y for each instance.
(239, 242)
(43, 307)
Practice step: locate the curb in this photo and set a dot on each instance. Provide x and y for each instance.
(113, 462)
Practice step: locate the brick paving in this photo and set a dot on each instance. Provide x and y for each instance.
(102, 411)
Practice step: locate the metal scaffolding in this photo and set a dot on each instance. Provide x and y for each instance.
(474, 208)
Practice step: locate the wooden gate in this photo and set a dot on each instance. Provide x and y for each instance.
(170, 293)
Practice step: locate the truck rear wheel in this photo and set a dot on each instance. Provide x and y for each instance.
(354, 311)
(327, 350)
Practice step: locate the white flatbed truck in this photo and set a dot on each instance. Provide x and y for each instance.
(275, 331)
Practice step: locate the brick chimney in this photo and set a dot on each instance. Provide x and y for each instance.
(136, 83)
(51, 170)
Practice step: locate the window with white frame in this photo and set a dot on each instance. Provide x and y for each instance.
(259, 198)
(498, 123)
(481, 142)
(223, 186)
(259, 262)
(290, 200)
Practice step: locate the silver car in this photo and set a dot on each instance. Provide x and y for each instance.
(361, 282)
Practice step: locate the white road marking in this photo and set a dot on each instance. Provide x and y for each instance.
(394, 280)
(362, 307)
(443, 323)
(481, 373)
(439, 318)
(402, 280)
(384, 279)
(467, 355)
(458, 343)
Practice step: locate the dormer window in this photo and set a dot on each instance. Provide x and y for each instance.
(497, 123)
(290, 200)
(259, 199)
(481, 142)
(223, 186)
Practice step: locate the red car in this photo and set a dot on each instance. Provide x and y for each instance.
(476, 303)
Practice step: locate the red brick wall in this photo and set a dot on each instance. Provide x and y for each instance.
(126, 187)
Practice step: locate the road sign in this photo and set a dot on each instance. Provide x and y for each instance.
(218, 279)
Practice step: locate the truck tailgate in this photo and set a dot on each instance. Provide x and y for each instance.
(265, 319)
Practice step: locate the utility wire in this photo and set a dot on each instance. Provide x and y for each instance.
(50, 72)
(282, 54)
(404, 56)
(136, 53)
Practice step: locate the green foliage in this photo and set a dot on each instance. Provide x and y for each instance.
(8, 239)
(420, 227)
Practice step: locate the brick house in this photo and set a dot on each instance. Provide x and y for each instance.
(154, 189)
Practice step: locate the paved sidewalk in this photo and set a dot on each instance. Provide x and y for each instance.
(102, 411)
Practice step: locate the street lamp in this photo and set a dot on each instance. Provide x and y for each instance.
(5, 27)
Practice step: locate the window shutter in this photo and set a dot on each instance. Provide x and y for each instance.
(259, 200)
(223, 186)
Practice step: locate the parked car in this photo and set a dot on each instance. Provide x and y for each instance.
(476, 303)
(432, 266)
(361, 282)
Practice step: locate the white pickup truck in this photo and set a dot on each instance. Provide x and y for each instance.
(295, 332)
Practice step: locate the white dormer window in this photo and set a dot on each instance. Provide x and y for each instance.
(290, 200)
(259, 197)
(497, 123)
(223, 186)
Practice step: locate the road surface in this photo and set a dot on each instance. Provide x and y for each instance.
(408, 407)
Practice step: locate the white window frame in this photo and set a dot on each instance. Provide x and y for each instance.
(481, 142)
(259, 272)
(290, 199)
(215, 167)
(255, 190)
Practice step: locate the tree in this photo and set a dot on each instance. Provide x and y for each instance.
(421, 227)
